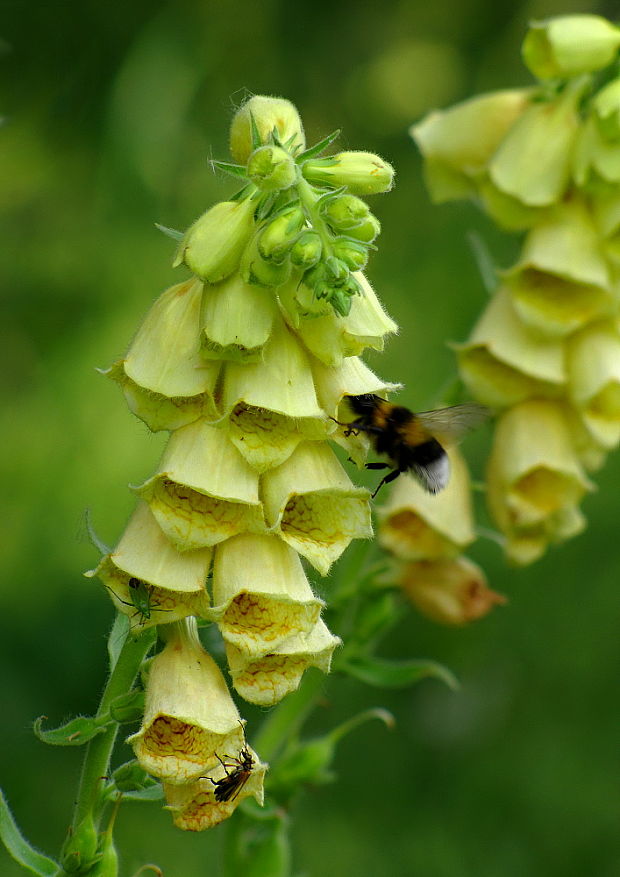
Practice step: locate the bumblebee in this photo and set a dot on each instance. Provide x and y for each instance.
(411, 441)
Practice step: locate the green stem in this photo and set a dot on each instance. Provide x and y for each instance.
(286, 719)
(99, 750)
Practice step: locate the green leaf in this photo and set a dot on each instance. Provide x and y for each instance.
(75, 733)
(234, 170)
(18, 846)
(117, 636)
(173, 233)
(152, 793)
(318, 147)
(384, 673)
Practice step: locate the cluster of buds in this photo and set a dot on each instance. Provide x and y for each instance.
(247, 370)
(298, 218)
(545, 353)
(427, 534)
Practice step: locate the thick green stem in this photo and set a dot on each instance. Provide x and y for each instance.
(99, 750)
(286, 719)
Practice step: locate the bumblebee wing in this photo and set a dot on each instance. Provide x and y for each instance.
(451, 424)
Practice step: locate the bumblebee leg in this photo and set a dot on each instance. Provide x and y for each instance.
(386, 480)
(377, 466)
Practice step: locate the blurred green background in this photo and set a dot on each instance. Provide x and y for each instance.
(111, 115)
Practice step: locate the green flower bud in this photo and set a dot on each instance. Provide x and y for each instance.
(268, 115)
(569, 45)
(345, 213)
(271, 168)
(367, 231)
(107, 865)
(258, 271)
(353, 254)
(213, 245)
(363, 173)
(80, 847)
(307, 249)
(278, 235)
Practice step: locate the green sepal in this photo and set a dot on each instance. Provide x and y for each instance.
(128, 707)
(77, 732)
(319, 147)
(136, 784)
(173, 233)
(79, 851)
(256, 141)
(19, 848)
(328, 196)
(95, 540)
(233, 170)
(384, 673)
(247, 192)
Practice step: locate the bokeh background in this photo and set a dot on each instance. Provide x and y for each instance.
(111, 115)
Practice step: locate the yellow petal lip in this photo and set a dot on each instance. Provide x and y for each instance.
(204, 491)
(505, 362)
(189, 714)
(312, 505)
(194, 806)
(416, 525)
(261, 595)
(165, 380)
(266, 680)
(593, 357)
(175, 582)
(237, 320)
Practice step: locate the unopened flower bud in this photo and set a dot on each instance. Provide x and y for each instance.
(276, 238)
(449, 591)
(256, 270)
(569, 45)
(267, 115)
(353, 254)
(363, 173)
(367, 230)
(271, 168)
(345, 212)
(80, 847)
(212, 246)
(307, 249)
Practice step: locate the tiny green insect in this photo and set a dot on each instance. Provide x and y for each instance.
(141, 598)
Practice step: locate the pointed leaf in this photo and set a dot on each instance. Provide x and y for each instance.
(116, 638)
(151, 793)
(384, 673)
(318, 147)
(75, 733)
(256, 141)
(18, 846)
(170, 232)
(234, 170)
(93, 536)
